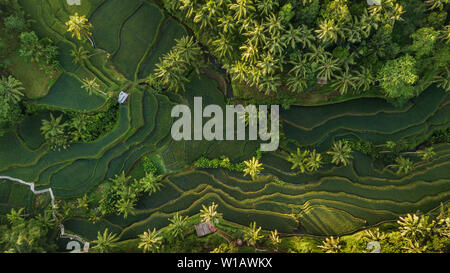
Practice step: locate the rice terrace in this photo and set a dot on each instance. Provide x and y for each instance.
(88, 161)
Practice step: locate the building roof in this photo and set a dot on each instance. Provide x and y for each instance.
(204, 229)
(122, 97)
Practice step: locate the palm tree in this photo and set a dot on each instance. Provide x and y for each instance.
(427, 154)
(436, 4)
(11, 90)
(331, 245)
(317, 54)
(274, 238)
(328, 31)
(79, 26)
(151, 183)
(344, 81)
(222, 46)
(404, 165)
(150, 241)
(275, 45)
(274, 25)
(409, 226)
(125, 205)
(178, 225)
(256, 34)
(104, 241)
(296, 84)
(299, 160)
(253, 168)
(414, 247)
(79, 55)
(241, 8)
(15, 216)
(53, 131)
(443, 79)
(269, 84)
(188, 6)
(91, 85)
(375, 235)
(239, 71)
(314, 161)
(251, 234)
(341, 153)
(306, 37)
(266, 6)
(79, 123)
(293, 36)
(327, 67)
(364, 78)
(250, 52)
(226, 23)
(210, 214)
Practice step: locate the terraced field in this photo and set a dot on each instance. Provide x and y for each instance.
(335, 200)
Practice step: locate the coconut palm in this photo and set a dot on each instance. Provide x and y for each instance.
(188, 7)
(178, 225)
(91, 85)
(79, 55)
(241, 8)
(150, 241)
(226, 23)
(331, 245)
(344, 81)
(296, 84)
(275, 238)
(314, 161)
(53, 131)
(15, 216)
(274, 25)
(275, 45)
(375, 234)
(125, 206)
(403, 164)
(250, 52)
(328, 31)
(210, 214)
(414, 247)
(253, 168)
(341, 153)
(11, 89)
(292, 36)
(427, 154)
(436, 4)
(79, 26)
(328, 66)
(317, 53)
(150, 183)
(299, 160)
(443, 79)
(409, 226)
(364, 78)
(267, 6)
(222, 46)
(104, 241)
(269, 84)
(306, 37)
(251, 234)
(256, 34)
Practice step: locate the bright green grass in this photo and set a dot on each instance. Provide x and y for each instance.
(68, 94)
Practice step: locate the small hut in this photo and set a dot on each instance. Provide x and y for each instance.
(204, 229)
(123, 97)
(322, 81)
(374, 2)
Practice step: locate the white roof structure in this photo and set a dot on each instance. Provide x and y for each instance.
(374, 2)
(122, 97)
